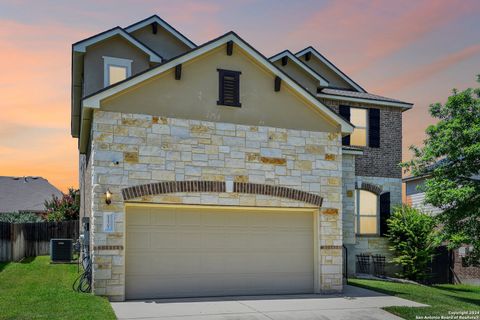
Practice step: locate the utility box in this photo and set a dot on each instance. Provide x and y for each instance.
(61, 250)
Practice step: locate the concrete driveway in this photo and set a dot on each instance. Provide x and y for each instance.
(354, 303)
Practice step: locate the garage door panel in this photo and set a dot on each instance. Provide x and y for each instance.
(187, 218)
(160, 217)
(138, 216)
(138, 240)
(203, 252)
(162, 239)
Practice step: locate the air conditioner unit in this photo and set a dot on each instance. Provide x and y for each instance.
(61, 250)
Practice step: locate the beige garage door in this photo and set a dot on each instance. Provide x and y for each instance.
(194, 251)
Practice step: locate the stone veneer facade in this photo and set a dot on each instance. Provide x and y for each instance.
(132, 149)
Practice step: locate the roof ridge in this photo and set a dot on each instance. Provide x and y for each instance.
(301, 63)
(333, 66)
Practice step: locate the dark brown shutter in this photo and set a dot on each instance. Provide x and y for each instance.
(229, 88)
(345, 112)
(384, 212)
(374, 128)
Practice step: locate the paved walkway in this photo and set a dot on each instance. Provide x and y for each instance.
(354, 303)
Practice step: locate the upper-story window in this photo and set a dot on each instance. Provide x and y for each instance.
(229, 88)
(115, 70)
(367, 126)
(366, 212)
(358, 117)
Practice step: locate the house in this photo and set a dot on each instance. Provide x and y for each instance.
(25, 194)
(212, 170)
(415, 196)
(461, 272)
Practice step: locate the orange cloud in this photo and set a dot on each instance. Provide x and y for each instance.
(35, 107)
(421, 73)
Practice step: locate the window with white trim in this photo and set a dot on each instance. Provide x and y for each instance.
(366, 212)
(115, 70)
(359, 118)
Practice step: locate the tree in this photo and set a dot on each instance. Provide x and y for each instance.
(65, 208)
(413, 240)
(451, 159)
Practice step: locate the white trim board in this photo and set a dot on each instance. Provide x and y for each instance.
(163, 24)
(331, 66)
(322, 81)
(81, 46)
(94, 100)
(116, 62)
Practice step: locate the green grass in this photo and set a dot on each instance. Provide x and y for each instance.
(440, 298)
(36, 289)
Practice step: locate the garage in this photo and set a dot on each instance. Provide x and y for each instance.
(193, 251)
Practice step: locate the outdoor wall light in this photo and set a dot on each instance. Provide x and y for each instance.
(108, 197)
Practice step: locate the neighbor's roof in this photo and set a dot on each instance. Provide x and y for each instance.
(93, 101)
(360, 97)
(25, 193)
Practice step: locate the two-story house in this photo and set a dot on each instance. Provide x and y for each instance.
(212, 170)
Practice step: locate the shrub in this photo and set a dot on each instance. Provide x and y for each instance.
(65, 208)
(16, 217)
(413, 239)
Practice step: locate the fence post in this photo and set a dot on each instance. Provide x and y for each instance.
(12, 240)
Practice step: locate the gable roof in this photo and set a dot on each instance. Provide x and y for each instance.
(163, 24)
(338, 94)
(93, 101)
(25, 194)
(286, 53)
(81, 46)
(330, 65)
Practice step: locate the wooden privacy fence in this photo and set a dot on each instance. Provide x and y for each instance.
(20, 240)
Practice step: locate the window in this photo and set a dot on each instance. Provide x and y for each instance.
(229, 88)
(115, 70)
(358, 117)
(366, 212)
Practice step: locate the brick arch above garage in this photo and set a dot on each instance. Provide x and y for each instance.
(167, 187)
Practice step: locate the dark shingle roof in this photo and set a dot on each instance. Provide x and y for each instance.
(25, 193)
(361, 95)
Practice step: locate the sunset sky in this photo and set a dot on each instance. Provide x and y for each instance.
(415, 51)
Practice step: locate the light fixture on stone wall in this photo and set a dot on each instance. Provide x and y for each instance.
(108, 197)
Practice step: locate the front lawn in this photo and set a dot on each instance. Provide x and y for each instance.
(442, 299)
(36, 289)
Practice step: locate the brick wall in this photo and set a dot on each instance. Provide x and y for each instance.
(383, 161)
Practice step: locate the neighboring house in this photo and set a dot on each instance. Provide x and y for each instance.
(25, 194)
(415, 196)
(226, 169)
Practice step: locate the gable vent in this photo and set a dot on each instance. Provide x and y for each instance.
(229, 88)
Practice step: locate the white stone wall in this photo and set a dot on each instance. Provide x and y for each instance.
(348, 185)
(132, 149)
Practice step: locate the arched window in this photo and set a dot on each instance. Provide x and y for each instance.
(366, 212)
